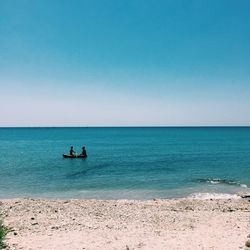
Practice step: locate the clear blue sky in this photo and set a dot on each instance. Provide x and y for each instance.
(133, 62)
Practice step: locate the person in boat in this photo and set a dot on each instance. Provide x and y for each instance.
(72, 152)
(84, 152)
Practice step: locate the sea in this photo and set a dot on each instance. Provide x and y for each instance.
(125, 162)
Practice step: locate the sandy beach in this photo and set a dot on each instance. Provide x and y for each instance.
(124, 224)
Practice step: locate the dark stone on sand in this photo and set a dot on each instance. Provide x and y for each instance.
(247, 244)
(244, 195)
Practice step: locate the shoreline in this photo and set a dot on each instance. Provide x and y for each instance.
(182, 223)
(136, 195)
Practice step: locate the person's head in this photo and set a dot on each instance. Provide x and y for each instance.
(71, 147)
(83, 147)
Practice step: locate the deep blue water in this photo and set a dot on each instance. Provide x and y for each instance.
(134, 163)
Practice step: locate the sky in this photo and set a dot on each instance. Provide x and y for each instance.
(124, 63)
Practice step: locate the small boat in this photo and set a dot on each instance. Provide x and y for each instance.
(81, 156)
(69, 156)
(74, 156)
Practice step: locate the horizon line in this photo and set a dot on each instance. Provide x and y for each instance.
(136, 126)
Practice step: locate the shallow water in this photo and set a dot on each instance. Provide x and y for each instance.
(135, 163)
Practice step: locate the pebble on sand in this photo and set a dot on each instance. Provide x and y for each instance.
(247, 243)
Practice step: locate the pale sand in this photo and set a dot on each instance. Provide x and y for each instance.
(155, 224)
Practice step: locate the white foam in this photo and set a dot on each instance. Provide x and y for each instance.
(208, 196)
(214, 182)
(244, 185)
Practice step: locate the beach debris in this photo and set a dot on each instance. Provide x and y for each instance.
(189, 208)
(11, 229)
(109, 227)
(141, 244)
(244, 195)
(248, 236)
(247, 244)
(158, 232)
(127, 248)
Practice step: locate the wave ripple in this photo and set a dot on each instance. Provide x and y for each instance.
(216, 181)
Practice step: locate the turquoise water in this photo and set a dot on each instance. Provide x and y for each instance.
(135, 163)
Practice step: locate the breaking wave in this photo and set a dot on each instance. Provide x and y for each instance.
(216, 181)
